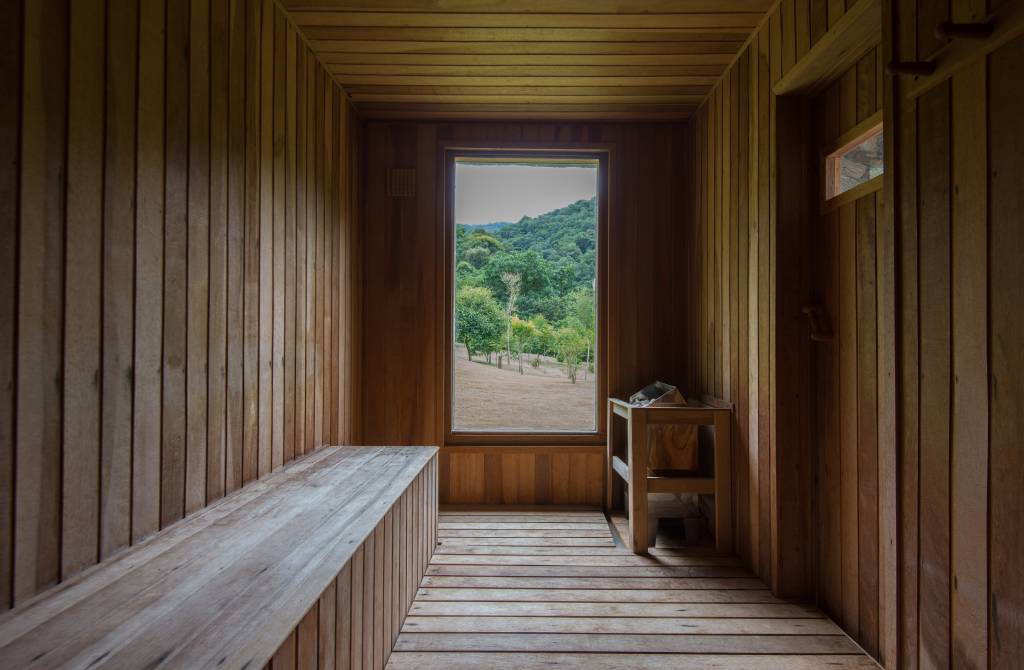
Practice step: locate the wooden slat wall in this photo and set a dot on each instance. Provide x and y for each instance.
(162, 193)
(735, 255)
(357, 620)
(961, 349)
(404, 297)
(948, 255)
(527, 59)
(846, 253)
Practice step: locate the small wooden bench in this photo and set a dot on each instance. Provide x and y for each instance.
(633, 470)
(342, 537)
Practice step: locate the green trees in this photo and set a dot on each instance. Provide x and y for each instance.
(528, 288)
(570, 344)
(479, 320)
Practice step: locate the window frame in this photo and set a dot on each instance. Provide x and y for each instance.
(863, 131)
(525, 438)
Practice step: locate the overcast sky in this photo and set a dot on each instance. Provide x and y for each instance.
(489, 193)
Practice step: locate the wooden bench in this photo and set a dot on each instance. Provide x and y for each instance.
(633, 469)
(326, 551)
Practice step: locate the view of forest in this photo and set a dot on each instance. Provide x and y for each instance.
(525, 290)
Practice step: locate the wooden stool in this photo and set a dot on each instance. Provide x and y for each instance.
(633, 470)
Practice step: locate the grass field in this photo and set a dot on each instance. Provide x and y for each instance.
(543, 398)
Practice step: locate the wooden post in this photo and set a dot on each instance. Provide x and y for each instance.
(637, 455)
(723, 489)
(609, 475)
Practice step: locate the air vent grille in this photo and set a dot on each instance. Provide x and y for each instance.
(401, 182)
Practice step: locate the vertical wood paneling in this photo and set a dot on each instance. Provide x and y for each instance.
(251, 224)
(83, 288)
(733, 277)
(356, 621)
(217, 377)
(935, 321)
(149, 249)
(970, 368)
(10, 118)
(278, 238)
(401, 248)
(959, 480)
(234, 440)
(40, 298)
(198, 282)
(176, 108)
(291, 105)
(138, 188)
(118, 267)
(265, 244)
(1006, 381)
(934, 374)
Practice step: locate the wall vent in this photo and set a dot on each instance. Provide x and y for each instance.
(401, 182)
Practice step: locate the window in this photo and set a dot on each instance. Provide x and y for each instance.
(855, 163)
(524, 344)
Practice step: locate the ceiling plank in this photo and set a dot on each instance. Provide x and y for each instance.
(627, 35)
(527, 59)
(346, 80)
(324, 47)
(600, 59)
(538, 91)
(450, 21)
(527, 99)
(527, 70)
(533, 6)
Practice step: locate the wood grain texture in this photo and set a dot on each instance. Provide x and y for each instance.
(743, 172)
(39, 360)
(135, 201)
(1006, 377)
(595, 620)
(401, 247)
(297, 529)
(10, 117)
(371, 46)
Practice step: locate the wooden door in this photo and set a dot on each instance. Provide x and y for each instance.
(844, 313)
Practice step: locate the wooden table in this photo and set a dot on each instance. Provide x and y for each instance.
(634, 469)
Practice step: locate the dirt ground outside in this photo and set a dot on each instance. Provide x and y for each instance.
(539, 399)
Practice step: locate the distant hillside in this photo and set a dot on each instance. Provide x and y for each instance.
(487, 227)
(566, 233)
(554, 253)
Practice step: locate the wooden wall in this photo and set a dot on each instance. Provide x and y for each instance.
(846, 284)
(960, 189)
(919, 545)
(404, 297)
(177, 288)
(355, 623)
(747, 283)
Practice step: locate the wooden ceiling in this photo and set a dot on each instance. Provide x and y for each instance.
(634, 59)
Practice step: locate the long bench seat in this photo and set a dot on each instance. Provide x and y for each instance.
(327, 551)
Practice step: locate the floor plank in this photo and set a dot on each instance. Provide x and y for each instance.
(605, 583)
(600, 595)
(620, 626)
(506, 661)
(616, 609)
(582, 571)
(605, 560)
(555, 589)
(635, 644)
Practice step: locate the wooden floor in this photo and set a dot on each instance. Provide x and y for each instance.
(554, 589)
